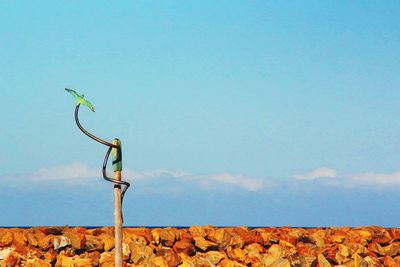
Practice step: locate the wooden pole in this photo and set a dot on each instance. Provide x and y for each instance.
(117, 166)
(118, 220)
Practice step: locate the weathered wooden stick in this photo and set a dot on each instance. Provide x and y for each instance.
(118, 220)
(117, 165)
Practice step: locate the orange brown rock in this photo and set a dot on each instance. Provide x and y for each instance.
(202, 246)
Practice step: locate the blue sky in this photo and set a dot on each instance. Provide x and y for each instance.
(230, 112)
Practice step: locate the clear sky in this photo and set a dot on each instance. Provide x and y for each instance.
(230, 113)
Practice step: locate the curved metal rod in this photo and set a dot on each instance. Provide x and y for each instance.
(89, 134)
(111, 146)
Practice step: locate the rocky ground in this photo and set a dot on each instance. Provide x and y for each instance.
(202, 246)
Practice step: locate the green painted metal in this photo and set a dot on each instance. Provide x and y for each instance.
(80, 99)
(117, 155)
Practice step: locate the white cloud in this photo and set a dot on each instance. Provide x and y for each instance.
(73, 173)
(317, 174)
(205, 180)
(351, 180)
(247, 183)
(133, 175)
(78, 173)
(377, 179)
